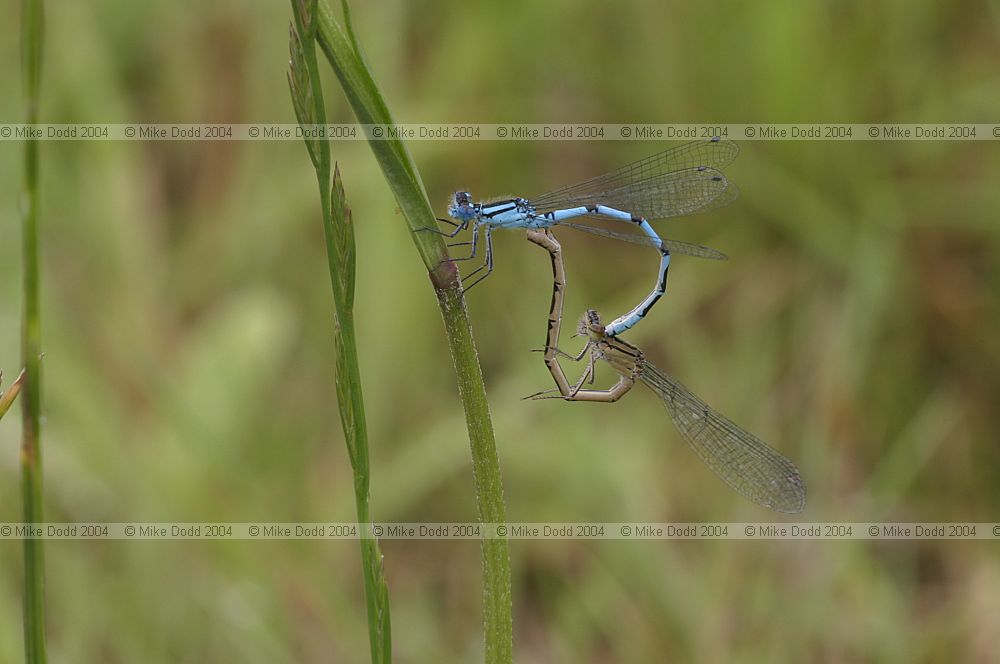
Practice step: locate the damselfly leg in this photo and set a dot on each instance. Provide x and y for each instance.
(474, 248)
(458, 228)
(487, 265)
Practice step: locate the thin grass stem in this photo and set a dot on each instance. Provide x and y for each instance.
(343, 51)
(338, 228)
(31, 345)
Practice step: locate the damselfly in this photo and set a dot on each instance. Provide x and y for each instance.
(683, 180)
(739, 458)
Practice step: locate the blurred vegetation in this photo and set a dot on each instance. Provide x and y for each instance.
(189, 374)
(8, 395)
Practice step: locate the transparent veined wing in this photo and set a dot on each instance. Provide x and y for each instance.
(678, 172)
(675, 246)
(739, 458)
(674, 194)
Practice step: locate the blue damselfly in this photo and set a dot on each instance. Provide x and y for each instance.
(683, 180)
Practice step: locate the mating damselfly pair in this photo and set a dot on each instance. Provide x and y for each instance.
(680, 181)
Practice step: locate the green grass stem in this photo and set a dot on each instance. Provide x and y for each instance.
(344, 53)
(338, 227)
(31, 345)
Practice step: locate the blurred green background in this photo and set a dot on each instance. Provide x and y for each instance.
(189, 363)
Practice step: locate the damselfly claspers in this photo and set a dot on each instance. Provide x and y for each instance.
(683, 180)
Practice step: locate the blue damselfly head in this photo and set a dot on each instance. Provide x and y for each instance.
(462, 207)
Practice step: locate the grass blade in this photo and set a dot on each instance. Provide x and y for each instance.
(338, 229)
(32, 24)
(7, 398)
(344, 54)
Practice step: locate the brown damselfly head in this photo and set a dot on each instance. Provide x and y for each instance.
(590, 325)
